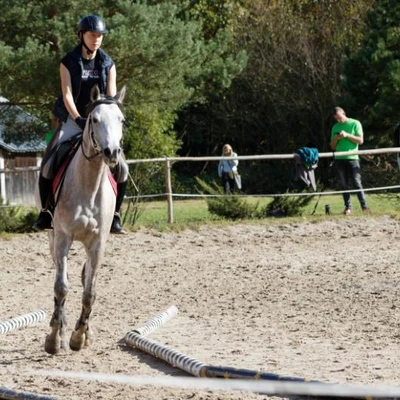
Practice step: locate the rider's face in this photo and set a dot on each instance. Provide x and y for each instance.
(93, 40)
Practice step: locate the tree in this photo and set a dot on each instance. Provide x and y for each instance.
(284, 97)
(372, 75)
(163, 58)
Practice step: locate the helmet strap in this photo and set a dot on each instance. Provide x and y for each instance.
(88, 51)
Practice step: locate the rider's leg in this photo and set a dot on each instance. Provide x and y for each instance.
(64, 131)
(44, 220)
(116, 226)
(122, 182)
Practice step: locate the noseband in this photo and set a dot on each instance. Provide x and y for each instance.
(89, 110)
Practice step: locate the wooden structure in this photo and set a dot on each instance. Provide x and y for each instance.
(19, 162)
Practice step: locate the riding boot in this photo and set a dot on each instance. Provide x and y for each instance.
(116, 226)
(45, 219)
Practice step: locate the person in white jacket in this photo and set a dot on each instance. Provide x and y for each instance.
(227, 170)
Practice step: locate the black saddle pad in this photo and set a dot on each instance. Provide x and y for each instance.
(64, 151)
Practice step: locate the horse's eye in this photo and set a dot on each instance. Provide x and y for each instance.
(95, 120)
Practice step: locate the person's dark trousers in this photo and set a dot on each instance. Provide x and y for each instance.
(350, 169)
(116, 226)
(227, 183)
(45, 218)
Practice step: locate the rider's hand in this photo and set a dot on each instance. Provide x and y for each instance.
(81, 122)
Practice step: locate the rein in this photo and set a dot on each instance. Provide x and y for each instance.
(90, 108)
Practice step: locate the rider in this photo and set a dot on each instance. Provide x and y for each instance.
(82, 68)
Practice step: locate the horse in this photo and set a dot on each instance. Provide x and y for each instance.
(84, 213)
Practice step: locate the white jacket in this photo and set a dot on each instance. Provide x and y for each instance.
(228, 166)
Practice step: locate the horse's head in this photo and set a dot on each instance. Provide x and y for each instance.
(105, 125)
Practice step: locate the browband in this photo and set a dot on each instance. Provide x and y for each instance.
(105, 100)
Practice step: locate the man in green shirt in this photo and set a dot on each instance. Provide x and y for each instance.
(346, 135)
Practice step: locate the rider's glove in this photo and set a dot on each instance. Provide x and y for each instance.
(81, 122)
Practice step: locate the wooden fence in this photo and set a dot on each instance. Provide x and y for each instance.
(168, 161)
(18, 180)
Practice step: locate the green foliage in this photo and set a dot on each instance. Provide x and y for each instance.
(16, 219)
(372, 75)
(133, 211)
(283, 98)
(149, 135)
(164, 59)
(228, 207)
(215, 16)
(283, 206)
(260, 75)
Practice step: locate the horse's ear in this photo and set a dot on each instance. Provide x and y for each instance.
(121, 95)
(95, 93)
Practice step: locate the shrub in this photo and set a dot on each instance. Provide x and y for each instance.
(225, 206)
(283, 206)
(16, 219)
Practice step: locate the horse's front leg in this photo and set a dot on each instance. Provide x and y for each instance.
(56, 339)
(82, 336)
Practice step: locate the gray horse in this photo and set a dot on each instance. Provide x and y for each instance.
(84, 213)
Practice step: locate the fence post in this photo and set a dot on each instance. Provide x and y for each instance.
(3, 193)
(169, 191)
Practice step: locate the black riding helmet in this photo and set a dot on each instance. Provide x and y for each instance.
(92, 23)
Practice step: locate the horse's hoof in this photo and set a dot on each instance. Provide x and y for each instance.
(77, 341)
(52, 344)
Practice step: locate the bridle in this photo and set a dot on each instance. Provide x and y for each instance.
(90, 108)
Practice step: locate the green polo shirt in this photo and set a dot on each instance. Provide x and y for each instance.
(352, 127)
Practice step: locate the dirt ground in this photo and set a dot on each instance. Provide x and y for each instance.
(317, 300)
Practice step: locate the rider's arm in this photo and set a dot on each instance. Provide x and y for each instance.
(66, 88)
(112, 82)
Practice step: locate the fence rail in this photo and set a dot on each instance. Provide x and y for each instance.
(217, 158)
(169, 161)
(267, 156)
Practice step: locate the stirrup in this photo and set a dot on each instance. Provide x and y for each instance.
(116, 226)
(44, 221)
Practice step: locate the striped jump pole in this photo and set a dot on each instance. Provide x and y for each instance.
(171, 356)
(22, 321)
(155, 322)
(197, 368)
(136, 338)
(10, 394)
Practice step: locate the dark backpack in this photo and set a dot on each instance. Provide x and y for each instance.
(396, 136)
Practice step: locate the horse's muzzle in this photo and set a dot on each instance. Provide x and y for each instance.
(111, 156)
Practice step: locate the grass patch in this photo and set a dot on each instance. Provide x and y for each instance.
(193, 213)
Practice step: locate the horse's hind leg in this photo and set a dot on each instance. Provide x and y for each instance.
(82, 333)
(56, 339)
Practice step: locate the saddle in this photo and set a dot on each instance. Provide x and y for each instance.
(63, 154)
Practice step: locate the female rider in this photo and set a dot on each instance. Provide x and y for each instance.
(82, 68)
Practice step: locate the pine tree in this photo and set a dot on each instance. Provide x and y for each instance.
(372, 75)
